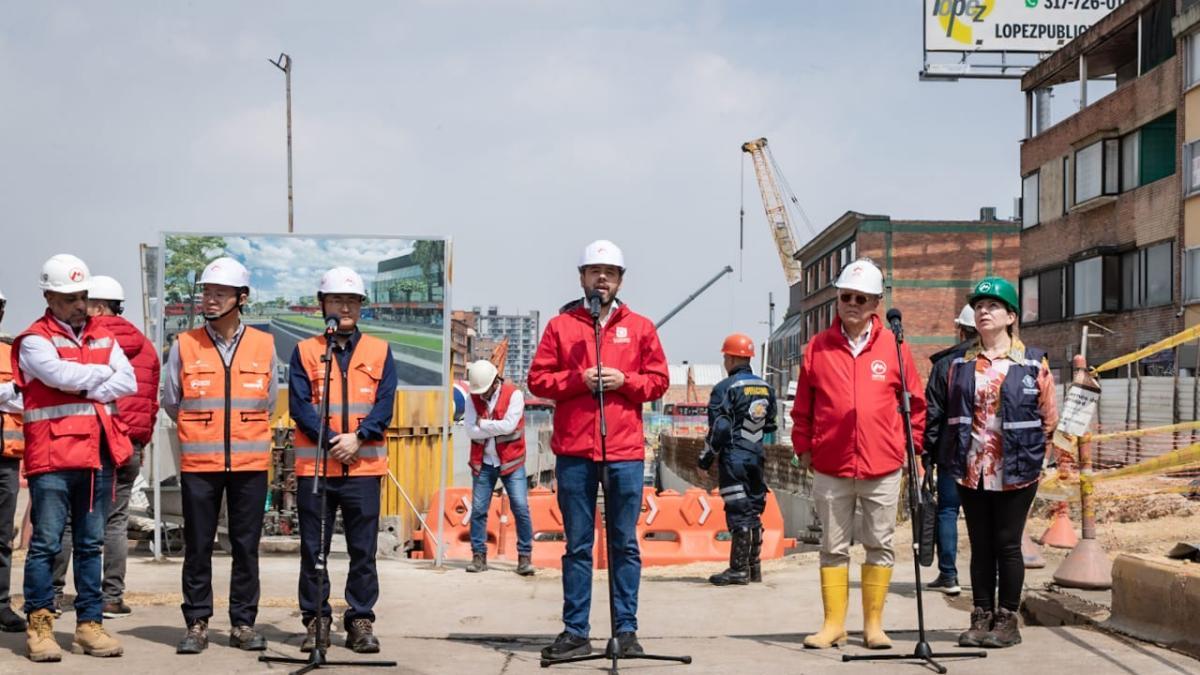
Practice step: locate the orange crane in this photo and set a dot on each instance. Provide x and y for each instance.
(770, 180)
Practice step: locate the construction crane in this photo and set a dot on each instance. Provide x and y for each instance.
(693, 296)
(770, 180)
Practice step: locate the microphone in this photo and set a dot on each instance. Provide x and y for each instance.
(893, 319)
(331, 325)
(593, 301)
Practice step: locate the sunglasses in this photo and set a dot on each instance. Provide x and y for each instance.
(853, 298)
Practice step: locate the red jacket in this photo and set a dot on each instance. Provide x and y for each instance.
(846, 409)
(138, 410)
(64, 431)
(628, 343)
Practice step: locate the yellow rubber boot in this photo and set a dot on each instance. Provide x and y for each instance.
(875, 582)
(835, 594)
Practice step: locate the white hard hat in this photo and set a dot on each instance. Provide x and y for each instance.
(602, 252)
(64, 273)
(2, 298)
(480, 375)
(966, 317)
(226, 272)
(863, 276)
(105, 288)
(342, 280)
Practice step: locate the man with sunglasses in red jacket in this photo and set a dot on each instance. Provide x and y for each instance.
(633, 372)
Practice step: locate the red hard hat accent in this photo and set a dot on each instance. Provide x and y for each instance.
(738, 344)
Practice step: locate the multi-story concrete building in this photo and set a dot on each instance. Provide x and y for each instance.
(522, 331)
(928, 266)
(1101, 206)
(462, 335)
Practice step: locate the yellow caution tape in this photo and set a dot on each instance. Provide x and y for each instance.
(1134, 433)
(1177, 339)
(1057, 488)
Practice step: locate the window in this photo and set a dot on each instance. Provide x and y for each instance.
(1131, 280)
(1192, 59)
(1091, 178)
(1191, 167)
(1087, 286)
(1066, 190)
(1157, 149)
(1051, 294)
(1029, 200)
(1191, 274)
(1029, 299)
(1159, 274)
(1129, 161)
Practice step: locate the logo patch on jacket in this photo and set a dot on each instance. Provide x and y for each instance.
(621, 336)
(758, 409)
(1028, 382)
(878, 369)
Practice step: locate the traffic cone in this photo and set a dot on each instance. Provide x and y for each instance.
(1031, 553)
(1060, 534)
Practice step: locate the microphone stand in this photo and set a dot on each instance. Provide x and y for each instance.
(613, 649)
(316, 658)
(922, 651)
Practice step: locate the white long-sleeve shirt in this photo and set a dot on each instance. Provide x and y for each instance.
(10, 400)
(39, 360)
(487, 430)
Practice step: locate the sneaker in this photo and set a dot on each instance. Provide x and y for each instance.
(247, 639)
(10, 621)
(945, 584)
(567, 645)
(116, 610)
(93, 640)
(195, 640)
(360, 637)
(310, 640)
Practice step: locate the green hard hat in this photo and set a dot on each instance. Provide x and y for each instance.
(995, 287)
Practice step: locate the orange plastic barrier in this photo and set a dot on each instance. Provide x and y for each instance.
(672, 529)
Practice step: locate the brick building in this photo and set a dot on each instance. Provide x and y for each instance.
(1101, 206)
(928, 268)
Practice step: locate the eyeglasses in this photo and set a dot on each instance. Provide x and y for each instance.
(853, 298)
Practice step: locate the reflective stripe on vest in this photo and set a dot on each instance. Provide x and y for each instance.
(208, 440)
(356, 401)
(12, 438)
(55, 412)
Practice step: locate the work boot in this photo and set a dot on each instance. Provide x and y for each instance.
(247, 639)
(875, 580)
(628, 644)
(981, 625)
(478, 563)
(39, 637)
(360, 636)
(525, 565)
(310, 640)
(739, 562)
(567, 645)
(1005, 632)
(196, 638)
(835, 595)
(93, 640)
(756, 555)
(10, 621)
(117, 610)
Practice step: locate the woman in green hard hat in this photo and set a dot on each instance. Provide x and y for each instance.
(1001, 416)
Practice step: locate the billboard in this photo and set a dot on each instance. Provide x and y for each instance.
(406, 282)
(1029, 26)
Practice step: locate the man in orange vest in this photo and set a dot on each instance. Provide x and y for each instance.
(69, 371)
(495, 421)
(220, 388)
(362, 391)
(12, 446)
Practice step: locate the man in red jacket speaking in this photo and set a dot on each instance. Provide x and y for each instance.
(848, 428)
(633, 372)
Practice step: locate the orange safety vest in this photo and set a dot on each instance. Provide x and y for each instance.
(351, 398)
(510, 448)
(224, 411)
(12, 438)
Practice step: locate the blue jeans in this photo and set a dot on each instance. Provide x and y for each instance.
(517, 488)
(578, 479)
(84, 497)
(947, 522)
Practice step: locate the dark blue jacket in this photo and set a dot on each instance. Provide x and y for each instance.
(741, 409)
(304, 413)
(1024, 440)
(935, 399)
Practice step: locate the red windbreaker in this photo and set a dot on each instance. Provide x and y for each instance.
(846, 409)
(137, 410)
(629, 343)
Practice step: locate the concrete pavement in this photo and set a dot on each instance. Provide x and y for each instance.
(447, 621)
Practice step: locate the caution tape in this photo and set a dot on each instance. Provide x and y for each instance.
(1135, 433)
(1060, 489)
(1177, 339)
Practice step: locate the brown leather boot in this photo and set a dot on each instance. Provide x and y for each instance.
(1005, 631)
(39, 637)
(981, 625)
(525, 565)
(478, 563)
(93, 640)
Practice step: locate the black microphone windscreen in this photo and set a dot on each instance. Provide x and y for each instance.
(594, 300)
(331, 324)
(893, 315)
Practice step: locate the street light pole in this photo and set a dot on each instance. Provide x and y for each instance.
(284, 63)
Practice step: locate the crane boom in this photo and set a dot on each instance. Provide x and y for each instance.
(726, 270)
(777, 216)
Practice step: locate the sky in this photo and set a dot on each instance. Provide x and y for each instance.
(522, 130)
